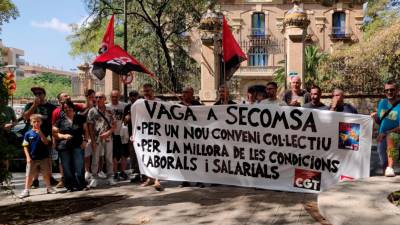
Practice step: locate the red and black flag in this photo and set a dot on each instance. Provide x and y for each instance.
(233, 54)
(114, 58)
(108, 38)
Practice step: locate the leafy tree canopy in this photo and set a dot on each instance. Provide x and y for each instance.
(53, 84)
(157, 34)
(7, 11)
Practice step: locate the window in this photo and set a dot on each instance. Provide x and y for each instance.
(258, 57)
(339, 24)
(258, 24)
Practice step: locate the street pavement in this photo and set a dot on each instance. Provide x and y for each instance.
(190, 205)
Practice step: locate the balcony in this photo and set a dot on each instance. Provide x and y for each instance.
(258, 33)
(340, 34)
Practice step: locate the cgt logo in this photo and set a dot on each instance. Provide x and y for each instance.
(307, 179)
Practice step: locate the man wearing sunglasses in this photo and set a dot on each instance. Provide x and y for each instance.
(45, 109)
(101, 124)
(388, 117)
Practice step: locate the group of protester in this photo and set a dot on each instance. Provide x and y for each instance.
(91, 135)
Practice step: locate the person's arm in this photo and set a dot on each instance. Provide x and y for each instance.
(31, 110)
(58, 136)
(27, 156)
(43, 138)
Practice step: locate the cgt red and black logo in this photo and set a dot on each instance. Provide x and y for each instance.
(307, 179)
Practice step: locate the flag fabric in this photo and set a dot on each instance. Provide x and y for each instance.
(118, 61)
(108, 38)
(114, 58)
(233, 54)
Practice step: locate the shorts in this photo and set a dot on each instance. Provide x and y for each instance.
(38, 166)
(119, 150)
(392, 143)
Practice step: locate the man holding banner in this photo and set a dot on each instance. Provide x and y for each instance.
(388, 118)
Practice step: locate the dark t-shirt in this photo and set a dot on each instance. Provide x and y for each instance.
(347, 108)
(36, 148)
(193, 102)
(320, 106)
(75, 129)
(127, 110)
(220, 102)
(287, 97)
(46, 111)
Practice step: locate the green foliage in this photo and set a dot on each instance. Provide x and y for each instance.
(7, 11)
(279, 74)
(6, 150)
(157, 35)
(52, 83)
(363, 68)
(313, 58)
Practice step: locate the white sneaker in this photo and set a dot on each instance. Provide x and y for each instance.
(88, 176)
(102, 175)
(51, 190)
(93, 183)
(111, 181)
(24, 194)
(389, 172)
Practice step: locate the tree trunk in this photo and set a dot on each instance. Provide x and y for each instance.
(171, 71)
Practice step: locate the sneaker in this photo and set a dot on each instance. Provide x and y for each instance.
(111, 181)
(102, 175)
(123, 175)
(88, 176)
(389, 172)
(93, 183)
(53, 181)
(35, 184)
(24, 194)
(51, 190)
(60, 183)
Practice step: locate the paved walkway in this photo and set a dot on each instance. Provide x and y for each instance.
(191, 205)
(361, 202)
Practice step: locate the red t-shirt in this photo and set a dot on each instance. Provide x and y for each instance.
(56, 113)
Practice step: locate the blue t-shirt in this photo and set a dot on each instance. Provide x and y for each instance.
(392, 120)
(37, 149)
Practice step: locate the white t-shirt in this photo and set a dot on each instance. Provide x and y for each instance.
(118, 112)
(276, 102)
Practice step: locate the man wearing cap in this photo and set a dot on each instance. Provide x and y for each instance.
(45, 109)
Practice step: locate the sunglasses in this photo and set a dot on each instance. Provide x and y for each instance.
(389, 90)
(99, 97)
(38, 93)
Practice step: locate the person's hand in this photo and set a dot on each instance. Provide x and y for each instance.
(84, 144)
(8, 126)
(36, 102)
(67, 136)
(380, 137)
(294, 102)
(105, 135)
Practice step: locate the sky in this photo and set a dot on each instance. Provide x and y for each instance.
(41, 31)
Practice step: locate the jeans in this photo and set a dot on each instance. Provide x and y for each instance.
(72, 161)
(383, 153)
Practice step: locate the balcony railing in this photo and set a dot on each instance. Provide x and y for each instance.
(340, 33)
(258, 33)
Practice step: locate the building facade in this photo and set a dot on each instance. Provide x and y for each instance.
(258, 27)
(14, 57)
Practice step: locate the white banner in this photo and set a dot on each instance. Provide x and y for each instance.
(263, 146)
